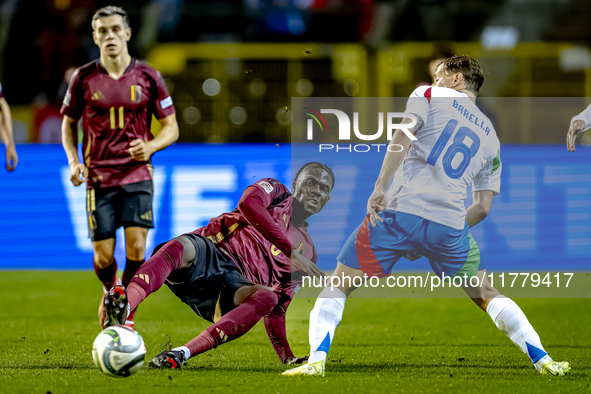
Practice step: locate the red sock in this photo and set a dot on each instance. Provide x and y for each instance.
(107, 275)
(152, 274)
(135, 295)
(235, 323)
(131, 267)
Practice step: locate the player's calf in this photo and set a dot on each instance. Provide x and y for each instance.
(511, 320)
(241, 319)
(258, 302)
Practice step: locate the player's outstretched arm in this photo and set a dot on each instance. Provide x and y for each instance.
(275, 327)
(142, 150)
(392, 161)
(253, 205)
(482, 201)
(301, 263)
(78, 171)
(577, 124)
(7, 136)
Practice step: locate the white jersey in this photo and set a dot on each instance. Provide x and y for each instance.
(585, 116)
(457, 146)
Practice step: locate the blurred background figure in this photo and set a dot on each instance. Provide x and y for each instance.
(441, 51)
(6, 133)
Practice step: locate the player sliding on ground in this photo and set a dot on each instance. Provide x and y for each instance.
(456, 146)
(243, 266)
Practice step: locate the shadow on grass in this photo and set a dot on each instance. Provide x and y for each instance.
(484, 345)
(336, 367)
(32, 366)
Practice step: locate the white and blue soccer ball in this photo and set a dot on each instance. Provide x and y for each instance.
(119, 351)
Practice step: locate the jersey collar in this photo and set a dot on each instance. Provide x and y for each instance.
(104, 70)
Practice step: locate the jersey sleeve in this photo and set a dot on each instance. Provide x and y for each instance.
(1, 91)
(585, 116)
(489, 178)
(253, 206)
(418, 102)
(73, 104)
(161, 100)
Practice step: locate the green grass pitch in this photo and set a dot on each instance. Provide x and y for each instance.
(48, 323)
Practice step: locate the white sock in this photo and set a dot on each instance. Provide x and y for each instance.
(324, 319)
(510, 319)
(185, 350)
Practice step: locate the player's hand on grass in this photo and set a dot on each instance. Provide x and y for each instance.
(376, 203)
(140, 150)
(295, 360)
(575, 128)
(11, 156)
(78, 173)
(300, 263)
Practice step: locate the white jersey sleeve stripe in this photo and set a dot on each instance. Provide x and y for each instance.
(418, 102)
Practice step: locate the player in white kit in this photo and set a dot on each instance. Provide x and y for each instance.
(456, 147)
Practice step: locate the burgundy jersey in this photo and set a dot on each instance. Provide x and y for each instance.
(1, 92)
(259, 236)
(114, 113)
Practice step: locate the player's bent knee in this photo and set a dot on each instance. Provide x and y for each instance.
(102, 262)
(346, 276)
(136, 251)
(104, 252)
(103, 258)
(267, 297)
(487, 291)
(135, 247)
(189, 251)
(490, 293)
(259, 293)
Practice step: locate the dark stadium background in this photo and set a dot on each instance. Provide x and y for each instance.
(233, 67)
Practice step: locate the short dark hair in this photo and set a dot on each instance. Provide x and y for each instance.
(110, 10)
(317, 165)
(470, 69)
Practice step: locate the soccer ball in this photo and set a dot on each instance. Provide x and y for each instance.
(118, 351)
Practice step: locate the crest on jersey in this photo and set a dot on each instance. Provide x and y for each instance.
(136, 93)
(266, 185)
